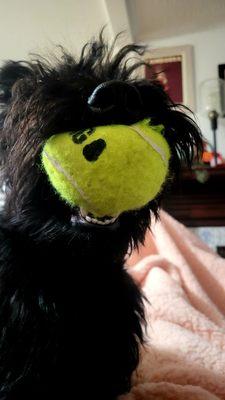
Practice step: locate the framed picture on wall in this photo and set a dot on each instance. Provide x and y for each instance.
(174, 69)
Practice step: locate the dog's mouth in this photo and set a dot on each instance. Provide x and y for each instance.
(89, 218)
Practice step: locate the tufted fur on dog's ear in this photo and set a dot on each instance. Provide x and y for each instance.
(10, 73)
(180, 128)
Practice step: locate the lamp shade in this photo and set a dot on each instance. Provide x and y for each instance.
(212, 97)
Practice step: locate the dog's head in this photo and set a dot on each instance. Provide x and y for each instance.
(87, 144)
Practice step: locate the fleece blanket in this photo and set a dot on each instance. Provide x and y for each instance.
(184, 284)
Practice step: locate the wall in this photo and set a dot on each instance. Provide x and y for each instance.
(36, 25)
(209, 51)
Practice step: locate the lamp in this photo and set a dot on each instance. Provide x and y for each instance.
(212, 98)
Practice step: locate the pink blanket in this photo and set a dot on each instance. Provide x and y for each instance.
(184, 282)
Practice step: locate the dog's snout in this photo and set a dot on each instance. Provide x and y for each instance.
(115, 94)
(93, 150)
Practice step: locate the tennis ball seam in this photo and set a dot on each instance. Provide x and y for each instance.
(159, 150)
(71, 180)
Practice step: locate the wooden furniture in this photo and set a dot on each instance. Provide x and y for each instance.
(198, 204)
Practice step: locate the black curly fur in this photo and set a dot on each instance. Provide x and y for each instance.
(71, 318)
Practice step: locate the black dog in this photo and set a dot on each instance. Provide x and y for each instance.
(71, 318)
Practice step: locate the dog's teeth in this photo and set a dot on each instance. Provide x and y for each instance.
(73, 219)
(96, 221)
(112, 220)
(83, 212)
(101, 221)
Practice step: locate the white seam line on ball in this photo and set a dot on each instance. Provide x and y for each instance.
(158, 149)
(60, 169)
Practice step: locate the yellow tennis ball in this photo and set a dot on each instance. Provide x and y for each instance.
(108, 169)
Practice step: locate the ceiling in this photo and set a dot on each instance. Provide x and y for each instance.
(157, 19)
